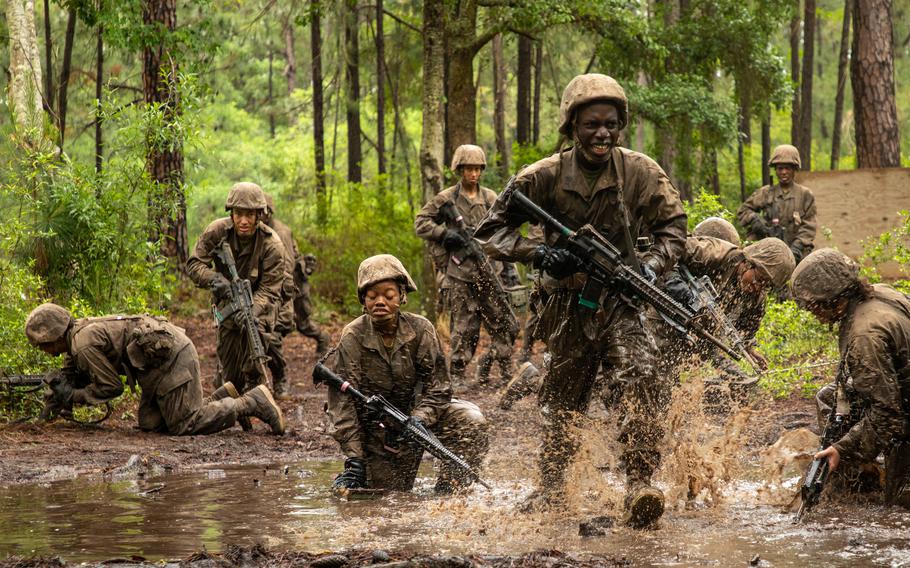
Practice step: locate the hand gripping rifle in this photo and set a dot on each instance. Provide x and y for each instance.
(241, 300)
(411, 432)
(810, 491)
(605, 267)
(455, 220)
(706, 298)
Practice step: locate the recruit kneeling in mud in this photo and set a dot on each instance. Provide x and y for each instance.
(396, 355)
(874, 371)
(150, 352)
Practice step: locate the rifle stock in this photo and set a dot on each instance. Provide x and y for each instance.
(420, 436)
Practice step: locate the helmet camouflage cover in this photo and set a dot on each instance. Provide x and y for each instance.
(468, 155)
(382, 267)
(47, 323)
(785, 154)
(719, 228)
(584, 89)
(824, 275)
(246, 195)
(774, 258)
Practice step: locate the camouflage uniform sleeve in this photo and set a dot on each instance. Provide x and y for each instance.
(709, 256)
(805, 233)
(664, 217)
(199, 267)
(875, 382)
(500, 231)
(344, 426)
(425, 225)
(749, 210)
(271, 281)
(88, 355)
(432, 373)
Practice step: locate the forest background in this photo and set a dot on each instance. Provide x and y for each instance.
(125, 122)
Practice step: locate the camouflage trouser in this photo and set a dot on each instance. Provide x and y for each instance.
(461, 428)
(581, 343)
(303, 310)
(472, 305)
(182, 411)
(235, 363)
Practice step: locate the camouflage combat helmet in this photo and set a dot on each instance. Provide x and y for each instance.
(246, 195)
(823, 276)
(772, 257)
(468, 155)
(382, 267)
(718, 228)
(584, 89)
(785, 154)
(47, 323)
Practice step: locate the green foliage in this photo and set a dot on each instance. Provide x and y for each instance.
(890, 246)
(705, 205)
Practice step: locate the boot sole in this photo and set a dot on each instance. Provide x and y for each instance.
(645, 509)
(231, 389)
(282, 425)
(525, 372)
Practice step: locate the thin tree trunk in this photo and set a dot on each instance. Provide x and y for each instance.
(844, 59)
(499, 106)
(794, 75)
(290, 57)
(65, 73)
(766, 147)
(715, 174)
(270, 106)
(318, 113)
(99, 93)
(523, 98)
(741, 163)
(745, 115)
(380, 90)
(872, 78)
(538, 67)
(352, 73)
(25, 70)
(48, 63)
(805, 97)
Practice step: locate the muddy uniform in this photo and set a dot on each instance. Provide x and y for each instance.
(158, 357)
(284, 315)
(411, 374)
(260, 259)
(874, 345)
(579, 340)
(794, 206)
(467, 286)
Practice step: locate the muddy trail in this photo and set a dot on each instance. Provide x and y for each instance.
(111, 494)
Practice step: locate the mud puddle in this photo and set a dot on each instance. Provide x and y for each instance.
(289, 507)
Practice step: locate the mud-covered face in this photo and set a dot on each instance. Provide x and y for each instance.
(245, 221)
(54, 347)
(829, 312)
(470, 175)
(784, 173)
(383, 300)
(752, 281)
(597, 127)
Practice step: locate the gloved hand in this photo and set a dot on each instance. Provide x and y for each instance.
(354, 475)
(221, 287)
(309, 264)
(759, 228)
(452, 240)
(558, 263)
(239, 318)
(798, 250)
(649, 272)
(678, 290)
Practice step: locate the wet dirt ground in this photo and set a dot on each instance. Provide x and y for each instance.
(87, 494)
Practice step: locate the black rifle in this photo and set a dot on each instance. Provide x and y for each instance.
(52, 407)
(706, 298)
(241, 300)
(415, 434)
(774, 228)
(810, 490)
(605, 267)
(455, 220)
(11, 381)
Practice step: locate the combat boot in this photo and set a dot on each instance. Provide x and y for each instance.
(484, 366)
(526, 381)
(643, 504)
(259, 402)
(322, 343)
(224, 391)
(506, 369)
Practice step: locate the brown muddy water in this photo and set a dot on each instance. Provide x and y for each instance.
(290, 507)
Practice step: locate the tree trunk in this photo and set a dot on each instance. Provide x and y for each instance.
(318, 114)
(462, 45)
(805, 97)
(741, 163)
(432, 143)
(499, 106)
(380, 90)
(794, 75)
(290, 56)
(872, 78)
(714, 173)
(538, 66)
(48, 63)
(99, 92)
(838, 127)
(25, 70)
(270, 105)
(65, 70)
(167, 203)
(745, 115)
(766, 147)
(523, 102)
(352, 72)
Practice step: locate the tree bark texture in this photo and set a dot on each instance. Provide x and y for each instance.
(48, 63)
(167, 205)
(65, 70)
(270, 105)
(843, 61)
(290, 56)
(499, 106)
(352, 73)
(794, 75)
(523, 99)
(766, 147)
(318, 113)
(25, 70)
(804, 143)
(99, 93)
(462, 45)
(538, 66)
(872, 78)
(380, 90)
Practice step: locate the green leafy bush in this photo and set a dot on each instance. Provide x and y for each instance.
(705, 205)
